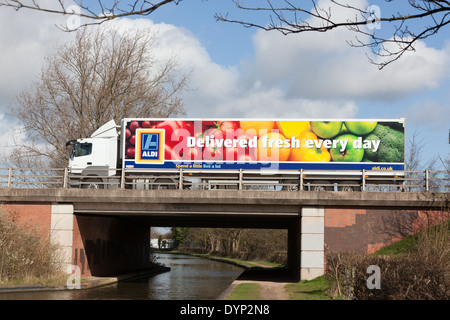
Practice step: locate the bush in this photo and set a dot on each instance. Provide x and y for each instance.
(24, 254)
(421, 274)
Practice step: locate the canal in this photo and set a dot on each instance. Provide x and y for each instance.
(190, 278)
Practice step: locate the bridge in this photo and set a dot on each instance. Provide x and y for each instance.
(107, 232)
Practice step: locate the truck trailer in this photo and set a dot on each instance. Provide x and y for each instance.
(300, 154)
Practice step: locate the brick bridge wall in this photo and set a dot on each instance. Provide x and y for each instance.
(37, 214)
(368, 230)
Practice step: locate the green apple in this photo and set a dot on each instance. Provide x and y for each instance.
(349, 154)
(360, 128)
(344, 129)
(326, 129)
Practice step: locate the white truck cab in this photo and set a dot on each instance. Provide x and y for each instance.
(93, 160)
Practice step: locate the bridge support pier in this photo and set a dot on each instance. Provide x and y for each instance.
(312, 254)
(306, 244)
(61, 231)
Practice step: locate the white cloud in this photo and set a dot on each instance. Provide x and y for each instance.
(217, 91)
(324, 65)
(26, 38)
(9, 135)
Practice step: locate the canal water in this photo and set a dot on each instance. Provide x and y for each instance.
(190, 278)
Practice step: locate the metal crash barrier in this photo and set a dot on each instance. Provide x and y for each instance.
(301, 180)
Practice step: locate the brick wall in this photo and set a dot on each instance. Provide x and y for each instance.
(37, 214)
(367, 230)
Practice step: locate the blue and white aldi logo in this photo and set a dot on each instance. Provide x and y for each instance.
(150, 146)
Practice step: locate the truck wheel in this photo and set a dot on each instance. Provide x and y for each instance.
(323, 187)
(164, 184)
(292, 185)
(92, 184)
(347, 186)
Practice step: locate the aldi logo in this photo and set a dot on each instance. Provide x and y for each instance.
(150, 146)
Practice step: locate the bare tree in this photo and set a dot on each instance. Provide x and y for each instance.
(415, 164)
(420, 20)
(99, 76)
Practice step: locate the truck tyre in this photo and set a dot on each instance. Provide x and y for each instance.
(292, 185)
(92, 184)
(164, 184)
(348, 186)
(323, 187)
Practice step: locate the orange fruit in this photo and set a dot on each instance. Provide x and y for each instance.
(258, 128)
(272, 148)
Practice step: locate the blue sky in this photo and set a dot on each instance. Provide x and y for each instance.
(241, 72)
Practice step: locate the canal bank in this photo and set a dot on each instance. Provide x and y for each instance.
(85, 283)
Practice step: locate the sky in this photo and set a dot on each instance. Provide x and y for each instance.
(239, 72)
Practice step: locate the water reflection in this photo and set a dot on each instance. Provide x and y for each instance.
(190, 278)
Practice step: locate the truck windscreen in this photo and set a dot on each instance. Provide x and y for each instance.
(82, 149)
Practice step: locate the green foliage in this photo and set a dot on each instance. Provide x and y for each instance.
(180, 234)
(403, 246)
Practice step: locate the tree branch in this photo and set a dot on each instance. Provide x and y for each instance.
(321, 19)
(133, 8)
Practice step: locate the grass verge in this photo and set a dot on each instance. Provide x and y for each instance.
(246, 291)
(315, 289)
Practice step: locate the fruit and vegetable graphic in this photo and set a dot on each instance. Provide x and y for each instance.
(326, 129)
(268, 141)
(345, 150)
(309, 154)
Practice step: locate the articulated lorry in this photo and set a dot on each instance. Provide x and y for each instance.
(316, 154)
